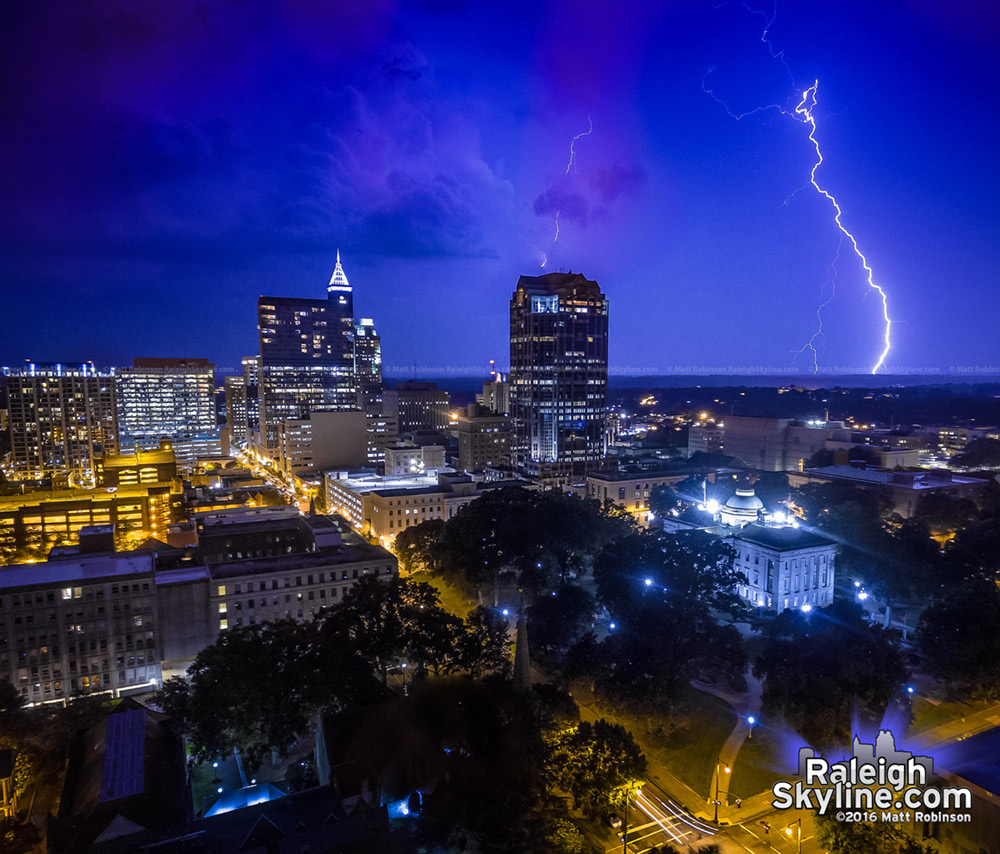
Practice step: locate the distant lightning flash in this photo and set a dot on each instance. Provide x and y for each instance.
(831, 278)
(572, 144)
(554, 239)
(805, 110)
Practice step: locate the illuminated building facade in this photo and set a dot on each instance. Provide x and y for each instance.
(367, 349)
(558, 374)
(242, 402)
(61, 418)
(32, 524)
(630, 491)
(165, 398)
(306, 356)
(496, 395)
(81, 625)
(144, 466)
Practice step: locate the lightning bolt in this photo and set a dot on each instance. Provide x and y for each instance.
(572, 145)
(554, 239)
(831, 279)
(805, 110)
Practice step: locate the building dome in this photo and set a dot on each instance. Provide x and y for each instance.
(743, 507)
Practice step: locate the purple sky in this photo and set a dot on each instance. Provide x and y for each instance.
(166, 164)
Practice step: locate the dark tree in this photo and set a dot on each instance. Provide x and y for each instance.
(484, 646)
(960, 637)
(979, 454)
(556, 620)
(945, 515)
(821, 667)
(686, 566)
(975, 551)
(256, 687)
(367, 621)
(660, 648)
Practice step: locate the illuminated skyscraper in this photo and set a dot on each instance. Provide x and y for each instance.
(558, 374)
(242, 404)
(306, 356)
(367, 362)
(61, 418)
(166, 398)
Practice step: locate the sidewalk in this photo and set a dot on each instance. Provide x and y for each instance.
(744, 705)
(958, 729)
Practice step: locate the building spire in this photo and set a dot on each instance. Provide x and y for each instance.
(338, 282)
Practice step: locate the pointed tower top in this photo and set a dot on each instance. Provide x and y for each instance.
(338, 281)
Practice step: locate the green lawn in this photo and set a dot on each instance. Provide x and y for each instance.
(690, 751)
(452, 598)
(756, 767)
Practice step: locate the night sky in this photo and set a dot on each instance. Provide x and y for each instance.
(165, 164)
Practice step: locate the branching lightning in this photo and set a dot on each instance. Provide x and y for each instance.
(805, 110)
(572, 145)
(831, 280)
(803, 113)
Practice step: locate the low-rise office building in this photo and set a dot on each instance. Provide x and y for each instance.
(33, 523)
(120, 622)
(630, 490)
(902, 488)
(381, 507)
(483, 439)
(83, 624)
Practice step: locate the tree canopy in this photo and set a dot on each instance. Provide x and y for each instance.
(960, 637)
(822, 667)
(597, 764)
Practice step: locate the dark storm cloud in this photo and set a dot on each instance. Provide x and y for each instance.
(219, 126)
(616, 180)
(567, 202)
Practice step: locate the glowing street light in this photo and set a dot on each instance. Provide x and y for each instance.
(788, 832)
(751, 720)
(648, 582)
(625, 823)
(806, 608)
(718, 764)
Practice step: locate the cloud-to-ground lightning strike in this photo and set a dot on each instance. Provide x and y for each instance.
(805, 110)
(572, 144)
(831, 279)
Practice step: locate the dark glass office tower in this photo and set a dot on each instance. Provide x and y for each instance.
(306, 355)
(558, 374)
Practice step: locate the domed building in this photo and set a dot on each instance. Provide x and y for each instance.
(743, 507)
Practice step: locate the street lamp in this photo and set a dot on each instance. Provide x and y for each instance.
(788, 832)
(751, 720)
(403, 668)
(718, 763)
(625, 823)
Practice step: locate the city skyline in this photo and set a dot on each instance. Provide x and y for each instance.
(178, 170)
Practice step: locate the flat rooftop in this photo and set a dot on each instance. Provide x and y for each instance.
(83, 569)
(783, 538)
(349, 552)
(887, 477)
